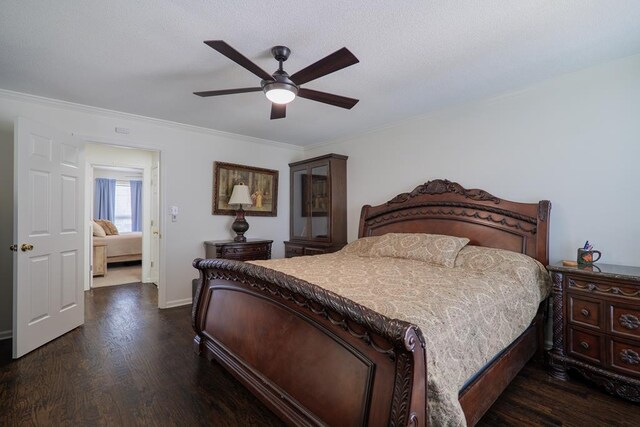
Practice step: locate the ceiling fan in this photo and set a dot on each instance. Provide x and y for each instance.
(279, 87)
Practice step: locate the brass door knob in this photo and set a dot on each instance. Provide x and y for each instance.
(13, 248)
(26, 247)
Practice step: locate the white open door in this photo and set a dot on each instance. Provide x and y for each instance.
(48, 231)
(155, 221)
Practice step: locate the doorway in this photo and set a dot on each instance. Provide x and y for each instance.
(126, 249)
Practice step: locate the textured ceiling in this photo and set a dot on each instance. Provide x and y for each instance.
(146, 57)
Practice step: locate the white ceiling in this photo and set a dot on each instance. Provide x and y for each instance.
(146, 57)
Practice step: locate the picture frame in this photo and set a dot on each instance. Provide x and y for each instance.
(262, 183)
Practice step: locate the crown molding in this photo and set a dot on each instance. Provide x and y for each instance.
(71, 106)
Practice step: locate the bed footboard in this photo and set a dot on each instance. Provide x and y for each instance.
(313, 357)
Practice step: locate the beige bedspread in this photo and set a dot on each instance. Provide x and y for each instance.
(122, 244)
(468, 313)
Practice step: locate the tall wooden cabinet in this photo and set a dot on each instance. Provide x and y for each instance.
(318, 206)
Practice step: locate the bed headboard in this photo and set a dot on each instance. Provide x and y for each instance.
(445, 207)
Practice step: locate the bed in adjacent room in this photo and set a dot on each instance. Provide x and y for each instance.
(122, 247)
(425, 319)
(119, 247)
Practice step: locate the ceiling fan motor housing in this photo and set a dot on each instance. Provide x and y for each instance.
(281, 53)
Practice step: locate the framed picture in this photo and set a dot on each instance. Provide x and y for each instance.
(262, 183)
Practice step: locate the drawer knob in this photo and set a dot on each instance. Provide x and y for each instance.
(629, 321)
(584, 345)
(584, 312)
(629, 356)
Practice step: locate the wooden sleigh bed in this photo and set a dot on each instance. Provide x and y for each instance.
(267, 328)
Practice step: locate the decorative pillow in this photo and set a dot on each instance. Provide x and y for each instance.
(362, 246)
(108, 227)
(502, 262)
(432, 248)
(491, 259)
(98, 231)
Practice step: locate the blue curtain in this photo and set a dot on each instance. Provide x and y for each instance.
(136, 205)
(104, 199)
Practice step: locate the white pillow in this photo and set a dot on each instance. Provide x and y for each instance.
(98, 231)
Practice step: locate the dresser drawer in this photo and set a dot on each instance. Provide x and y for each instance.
(585, 345)
(586, 312)
(293, 251)
(624, 320)
(624, 356)
(314, 251)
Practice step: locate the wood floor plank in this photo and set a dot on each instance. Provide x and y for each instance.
(132, 364)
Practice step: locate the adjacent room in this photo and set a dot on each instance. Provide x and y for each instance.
(332, 213)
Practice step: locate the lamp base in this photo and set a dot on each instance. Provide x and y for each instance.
(240, 226)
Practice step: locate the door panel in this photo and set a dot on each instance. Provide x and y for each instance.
(48, 266)
(40, 189)
(69, 208)
(69, 279)
(38, 283)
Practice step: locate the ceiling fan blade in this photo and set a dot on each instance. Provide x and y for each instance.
(278, 111)
(328, 98)
(336, 61)
(238, 58)
(228, 91)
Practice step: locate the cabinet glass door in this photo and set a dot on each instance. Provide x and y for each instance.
(300, 205)
(319, 202)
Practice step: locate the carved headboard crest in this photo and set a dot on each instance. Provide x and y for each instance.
(441, 186)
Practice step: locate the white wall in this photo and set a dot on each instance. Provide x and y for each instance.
(108, 155)
(187, 156)
(574, 140)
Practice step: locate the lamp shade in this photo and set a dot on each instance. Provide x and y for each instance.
(240, 195)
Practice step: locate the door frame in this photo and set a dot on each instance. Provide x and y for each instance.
(162, 290)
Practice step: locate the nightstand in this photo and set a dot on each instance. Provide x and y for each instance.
(596, 326)
(252, 249)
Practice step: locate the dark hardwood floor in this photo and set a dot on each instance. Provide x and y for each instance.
(132, 364)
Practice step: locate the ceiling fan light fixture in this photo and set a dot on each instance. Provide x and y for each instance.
(280, 93)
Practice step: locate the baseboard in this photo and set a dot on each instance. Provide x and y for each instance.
(178, 302)
(5, 335)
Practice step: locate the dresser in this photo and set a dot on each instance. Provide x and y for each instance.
(252, 249)
(318, 206)
(596, 326)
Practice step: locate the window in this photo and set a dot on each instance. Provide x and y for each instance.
(122, 218)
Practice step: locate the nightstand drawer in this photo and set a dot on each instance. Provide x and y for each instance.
(246, 251)
(597, 288)
(624, 356)
(585, 312)
(252, 249)
(585, 345)
(624, 320)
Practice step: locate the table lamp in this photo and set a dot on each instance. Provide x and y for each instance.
(240, 196)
